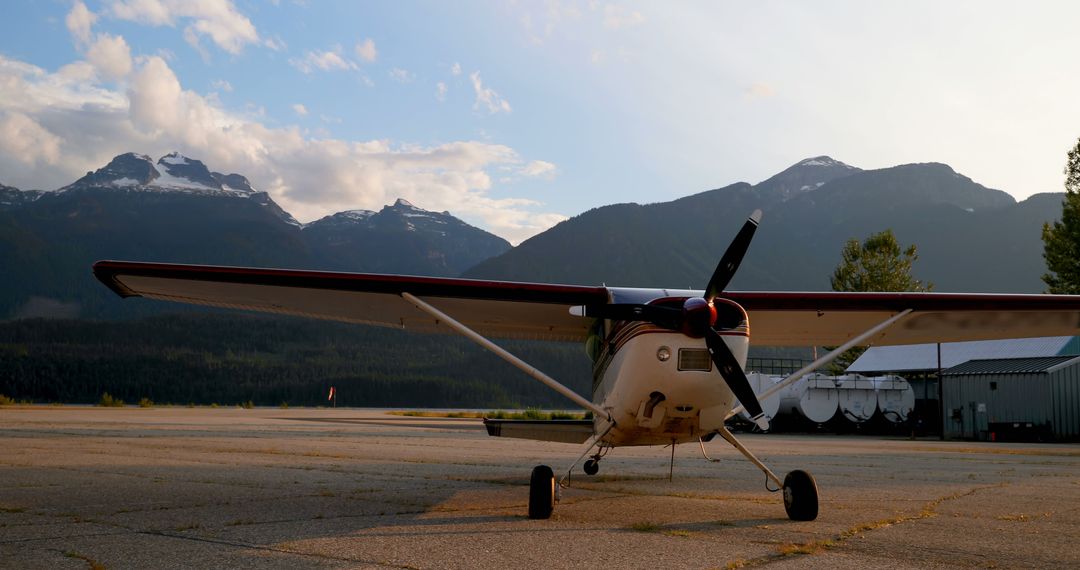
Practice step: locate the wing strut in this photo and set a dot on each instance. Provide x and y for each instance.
(826, 359)
(502, 353)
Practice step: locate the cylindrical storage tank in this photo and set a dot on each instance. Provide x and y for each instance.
(895, 398)
(761, 382)
(857, 397)
(813, 397)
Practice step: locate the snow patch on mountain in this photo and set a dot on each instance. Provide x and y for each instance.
(174, 158)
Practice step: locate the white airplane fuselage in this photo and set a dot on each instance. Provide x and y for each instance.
(661, 386)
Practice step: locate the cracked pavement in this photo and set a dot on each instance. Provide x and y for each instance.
(345, 488)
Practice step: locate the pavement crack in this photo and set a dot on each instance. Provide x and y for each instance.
(245, 545)
(785, 551)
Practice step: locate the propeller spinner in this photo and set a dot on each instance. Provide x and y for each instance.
(697, 319)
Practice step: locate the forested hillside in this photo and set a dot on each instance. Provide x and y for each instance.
(229, 358)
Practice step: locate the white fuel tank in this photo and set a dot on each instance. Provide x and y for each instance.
(858, 397)
(761, 382)
(895, 398)
(813, 397)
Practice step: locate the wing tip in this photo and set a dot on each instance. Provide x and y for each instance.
(106, 271)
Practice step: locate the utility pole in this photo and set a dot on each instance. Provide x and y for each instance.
(940, 392)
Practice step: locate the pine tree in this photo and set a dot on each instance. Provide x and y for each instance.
(878, 264)
(1061, 241)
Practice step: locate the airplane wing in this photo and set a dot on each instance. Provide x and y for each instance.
(541, 311)
(828, 318)
(493, 308)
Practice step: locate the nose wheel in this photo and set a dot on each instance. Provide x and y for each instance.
(591, 467)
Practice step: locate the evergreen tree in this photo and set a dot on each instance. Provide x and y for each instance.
(878, 264)
(1061, 241)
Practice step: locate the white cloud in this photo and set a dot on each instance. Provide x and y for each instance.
(440, 91)
(455, 69)
(25, 140)
(401, 75)
(222, 85)
(487, 97)
(110, 55)
(300, 109)
(218, 20)
(79, 21)
(365, 50)
(539, 168)
(617, 17)
(55, 126)
(322, 60)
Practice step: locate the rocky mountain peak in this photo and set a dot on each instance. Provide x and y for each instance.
(125, 170)
(233, 182)
(804, 176)
(12, 197)
(180, 171)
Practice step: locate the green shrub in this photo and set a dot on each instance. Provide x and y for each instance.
(5, 401)
(146, 403)
(108, 401)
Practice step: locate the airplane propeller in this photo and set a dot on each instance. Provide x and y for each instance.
(697, 319)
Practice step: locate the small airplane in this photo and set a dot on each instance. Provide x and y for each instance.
(668, 364)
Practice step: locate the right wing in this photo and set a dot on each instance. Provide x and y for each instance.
(493, 308)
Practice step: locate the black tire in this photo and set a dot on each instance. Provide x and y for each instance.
(591, 467)
(541, 492)
(800, 496)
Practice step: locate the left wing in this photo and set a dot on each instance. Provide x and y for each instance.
(494, 308)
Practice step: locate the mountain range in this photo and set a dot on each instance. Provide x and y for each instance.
(970, 237)
(177, 210)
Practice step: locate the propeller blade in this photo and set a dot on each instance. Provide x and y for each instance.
(667, 317)
(736, 379)
(725, 270)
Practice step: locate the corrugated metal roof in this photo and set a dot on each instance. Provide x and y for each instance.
(924, 356)
(1037, 365)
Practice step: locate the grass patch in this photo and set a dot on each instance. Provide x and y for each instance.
(90, 562)
(644, 526)
(240, 522)
(527, 414)
(146, 403)
(6, 401)
(108, 401)
(1016, 518)
(12, 510)
(815, 547)
(678, 532)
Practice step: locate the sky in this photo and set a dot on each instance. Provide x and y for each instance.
(515, 115)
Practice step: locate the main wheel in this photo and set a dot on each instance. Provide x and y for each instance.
(541, 492)
(800, 496)
(591, 467)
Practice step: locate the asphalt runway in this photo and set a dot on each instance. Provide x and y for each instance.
(345, 488)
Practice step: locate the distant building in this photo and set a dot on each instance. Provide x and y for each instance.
(920, 365)
(924, 357)
(1014, 399)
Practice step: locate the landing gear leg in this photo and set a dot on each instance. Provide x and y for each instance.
(800, 489)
